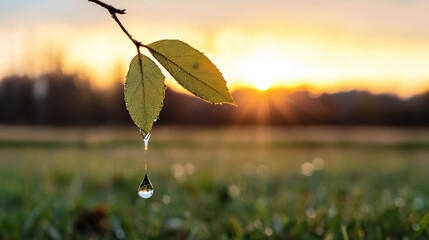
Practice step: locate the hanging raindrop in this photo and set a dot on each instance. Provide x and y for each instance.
(146, 188)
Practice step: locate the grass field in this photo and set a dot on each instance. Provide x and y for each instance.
(218, 183)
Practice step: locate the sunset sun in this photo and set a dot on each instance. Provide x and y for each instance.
(267, 66)
(262, 84)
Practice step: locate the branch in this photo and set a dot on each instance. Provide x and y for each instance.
(113, 11)
(110, 8)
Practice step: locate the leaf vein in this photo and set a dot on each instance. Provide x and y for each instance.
(187, 72)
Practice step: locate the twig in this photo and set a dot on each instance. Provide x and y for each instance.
(110, 8)
(113, 11)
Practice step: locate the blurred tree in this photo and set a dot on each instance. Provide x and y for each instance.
(60, 99)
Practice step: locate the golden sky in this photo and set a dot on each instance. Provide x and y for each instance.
(330, 45)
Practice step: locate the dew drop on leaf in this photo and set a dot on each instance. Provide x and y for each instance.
(146, 137)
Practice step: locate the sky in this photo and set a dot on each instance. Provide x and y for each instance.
(325, 46)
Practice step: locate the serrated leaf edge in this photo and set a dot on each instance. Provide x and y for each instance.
(141, 79)
(229, 99)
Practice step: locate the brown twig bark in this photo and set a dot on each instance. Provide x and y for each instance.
(110, 8)
(113, 11)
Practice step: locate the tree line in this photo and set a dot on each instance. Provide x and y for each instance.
(58, 99)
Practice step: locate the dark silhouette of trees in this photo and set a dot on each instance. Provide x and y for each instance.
(58, 99)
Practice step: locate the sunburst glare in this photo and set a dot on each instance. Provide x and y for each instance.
(267, 66)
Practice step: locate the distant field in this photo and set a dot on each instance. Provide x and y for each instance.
(215, 183)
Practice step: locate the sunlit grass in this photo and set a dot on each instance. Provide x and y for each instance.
(214, 184)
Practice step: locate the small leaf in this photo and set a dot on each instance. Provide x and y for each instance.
(192, 69)
(144, 91)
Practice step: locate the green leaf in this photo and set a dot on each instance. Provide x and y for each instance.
(144, 91)
(192, 69)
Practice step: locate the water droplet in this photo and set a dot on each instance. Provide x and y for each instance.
(146, 188)
(146, 137)
(143, 133)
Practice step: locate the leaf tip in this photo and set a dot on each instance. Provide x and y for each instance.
(229, 101)
(232, 102)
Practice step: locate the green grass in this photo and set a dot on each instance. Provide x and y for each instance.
(229, 183)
